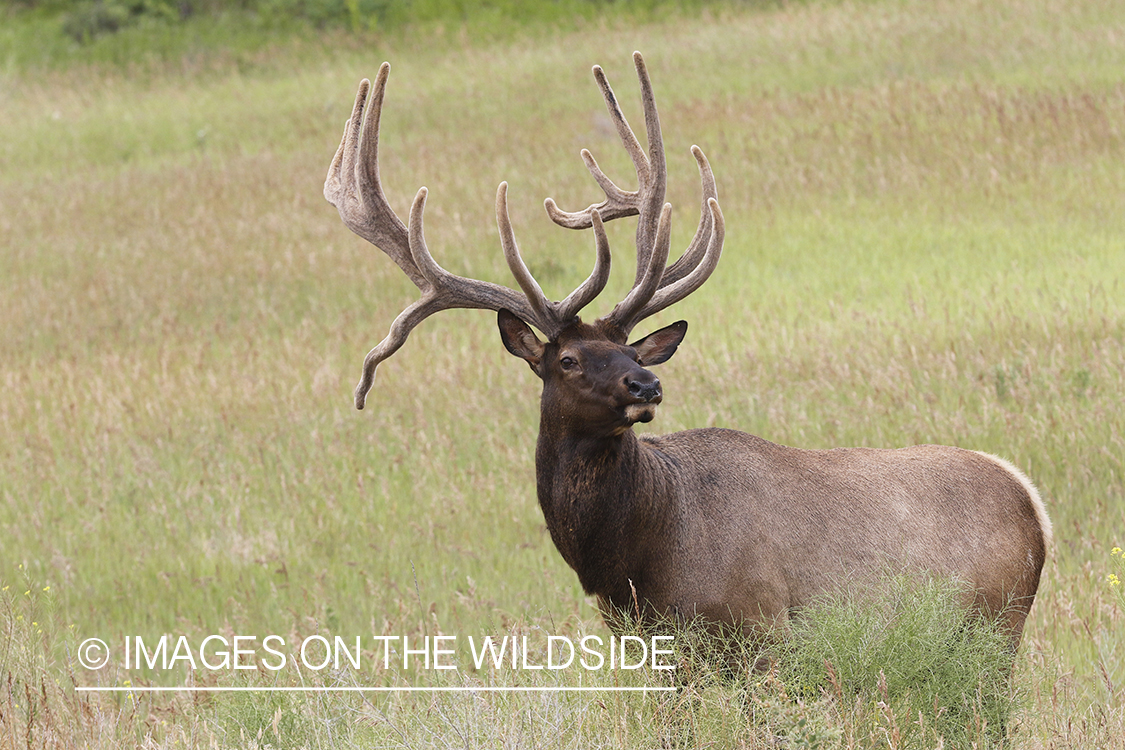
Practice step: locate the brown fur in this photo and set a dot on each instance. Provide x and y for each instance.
(736, 529)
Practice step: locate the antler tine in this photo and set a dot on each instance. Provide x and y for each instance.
(353, 184)
(651, 171)
(625, 315)
(406, 321)
(596, 282)
(544, 318)
(618, 202)
(653, 185)
(672, 293)
(697, 249)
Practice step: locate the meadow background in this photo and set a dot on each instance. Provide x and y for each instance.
(925, 207)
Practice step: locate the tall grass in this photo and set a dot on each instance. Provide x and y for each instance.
(925, 232)
(903, 664)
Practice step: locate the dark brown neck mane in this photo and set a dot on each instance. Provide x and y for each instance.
(607, 502)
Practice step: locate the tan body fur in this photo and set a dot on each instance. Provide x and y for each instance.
(704, 523)
(738, 528)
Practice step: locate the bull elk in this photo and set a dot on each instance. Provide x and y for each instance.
(709, 523)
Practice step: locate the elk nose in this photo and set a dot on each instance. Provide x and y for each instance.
(645, 391)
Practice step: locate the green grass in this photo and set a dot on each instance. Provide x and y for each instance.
(203, 37)
(901, 663)
(926, 243)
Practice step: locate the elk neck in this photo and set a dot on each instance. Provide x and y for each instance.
(608, 503)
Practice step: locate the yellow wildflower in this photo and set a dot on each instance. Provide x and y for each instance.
(1113, 580)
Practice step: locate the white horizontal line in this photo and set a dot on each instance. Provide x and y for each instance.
(482, 689)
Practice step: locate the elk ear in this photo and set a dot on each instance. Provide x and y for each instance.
(519, 339)
(659, 346)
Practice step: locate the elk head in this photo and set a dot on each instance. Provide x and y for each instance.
(589, 368)
(601, 385)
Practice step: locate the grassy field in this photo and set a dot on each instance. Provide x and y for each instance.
(925, 206)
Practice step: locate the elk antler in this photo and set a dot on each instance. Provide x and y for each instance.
(354, 187)
(655, 286)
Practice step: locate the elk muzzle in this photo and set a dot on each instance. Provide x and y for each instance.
(643, 386)
(645, 390)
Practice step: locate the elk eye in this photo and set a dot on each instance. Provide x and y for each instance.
(568, 363)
